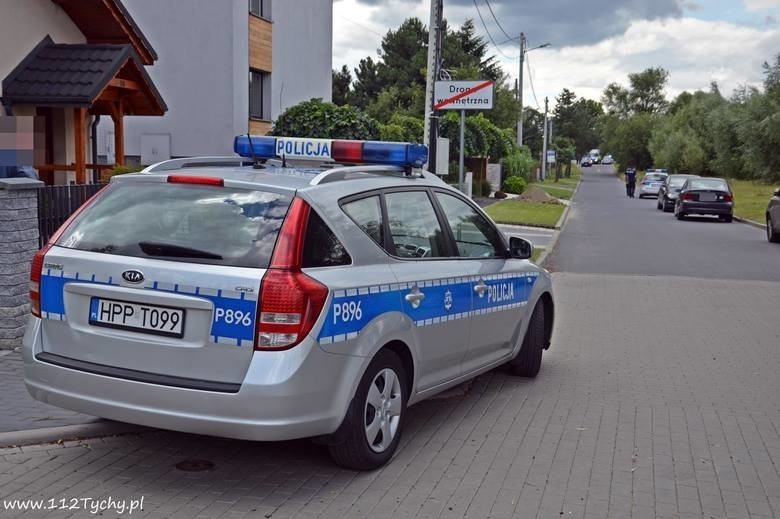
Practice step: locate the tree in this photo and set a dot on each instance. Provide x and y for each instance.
(578, 119)
(318, 119)
(646, 95)
(341, 82)
(367, 83)
(565, 152)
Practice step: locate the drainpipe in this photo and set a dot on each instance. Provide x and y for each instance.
(95, 170)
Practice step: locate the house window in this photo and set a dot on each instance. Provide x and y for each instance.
(259, 95)
(261, 8)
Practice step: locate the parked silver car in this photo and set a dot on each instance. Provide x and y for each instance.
(279, 301)
(651, 183)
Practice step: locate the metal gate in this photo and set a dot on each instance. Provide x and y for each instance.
(57, 203)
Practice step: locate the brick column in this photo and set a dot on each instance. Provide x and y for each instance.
(18, 243)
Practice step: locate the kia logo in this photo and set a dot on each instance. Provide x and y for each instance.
(133, 276)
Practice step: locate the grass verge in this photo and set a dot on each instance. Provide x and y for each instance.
(751, 198)
(515, 212)
(537, 252)
(558, 192)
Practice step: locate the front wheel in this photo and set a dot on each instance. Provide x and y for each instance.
(529, 358)
(771, 235)
(372, 428)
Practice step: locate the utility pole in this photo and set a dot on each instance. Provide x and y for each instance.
(520, 91)
(544, 143)
(430, 128)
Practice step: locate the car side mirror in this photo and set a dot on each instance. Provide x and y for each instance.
(520, 248)
(777, 192)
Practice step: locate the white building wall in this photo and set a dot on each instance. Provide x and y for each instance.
(203, 69)
(23, 24)
(201, 74)
(302, 52)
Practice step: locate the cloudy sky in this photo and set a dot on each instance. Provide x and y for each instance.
(594, 42)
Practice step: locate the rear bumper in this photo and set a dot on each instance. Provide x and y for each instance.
(289, 394)
(644, 190)
(707, 208)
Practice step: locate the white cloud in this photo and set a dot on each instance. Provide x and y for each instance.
(758, 5)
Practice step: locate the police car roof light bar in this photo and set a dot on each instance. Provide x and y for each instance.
(332, 150)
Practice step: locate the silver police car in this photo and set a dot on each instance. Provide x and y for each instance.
(277, 300)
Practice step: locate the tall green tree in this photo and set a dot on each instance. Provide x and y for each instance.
(367, 83)
(342, 79)
(577, 119)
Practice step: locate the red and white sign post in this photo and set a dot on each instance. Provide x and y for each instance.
(463, 95)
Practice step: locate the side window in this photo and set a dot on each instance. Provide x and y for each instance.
(367, 213)
(413, 225)
(321, 247)
(475, 236)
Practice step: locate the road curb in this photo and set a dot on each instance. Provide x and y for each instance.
(67, 433)
(558, 227)
(750, 222)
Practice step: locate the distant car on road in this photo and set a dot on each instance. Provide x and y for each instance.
(705, 196)
(586, 162)
(773, 218)
(651, 183)
(607, 159)
(667, 193)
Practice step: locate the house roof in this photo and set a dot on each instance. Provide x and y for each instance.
(108, 21)
(77, 74)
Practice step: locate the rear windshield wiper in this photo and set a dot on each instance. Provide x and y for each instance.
(175, 251)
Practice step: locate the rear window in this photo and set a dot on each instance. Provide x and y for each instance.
(180, 222)
(708, 183)
(655, 177)
(677, 182)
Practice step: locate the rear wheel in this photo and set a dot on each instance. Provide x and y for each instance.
(726, 218)
(678, 212)
(771, 235)
(529, 358)
(372, 428)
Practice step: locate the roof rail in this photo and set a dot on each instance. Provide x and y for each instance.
(341, 172)
(196, 162)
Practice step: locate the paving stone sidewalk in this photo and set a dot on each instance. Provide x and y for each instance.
(649, 404)
(19, 410)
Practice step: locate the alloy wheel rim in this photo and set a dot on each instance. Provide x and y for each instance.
(382, 413)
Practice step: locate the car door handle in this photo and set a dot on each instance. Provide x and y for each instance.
(415, 297)
(480, 288)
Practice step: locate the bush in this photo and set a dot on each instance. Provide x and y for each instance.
(105, 175)
(499, 194)
(515, 184)
(318, 119)
(519, 163)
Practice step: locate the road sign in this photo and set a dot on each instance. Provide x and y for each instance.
(550, 156)
(463, 95)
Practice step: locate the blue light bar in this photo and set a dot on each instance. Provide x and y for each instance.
(345, 151)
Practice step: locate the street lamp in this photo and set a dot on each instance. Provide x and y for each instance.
(523, 50)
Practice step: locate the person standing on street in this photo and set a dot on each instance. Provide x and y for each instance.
(630, 181)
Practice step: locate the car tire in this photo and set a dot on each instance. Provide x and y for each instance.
(678, 213)
(667, 208)
(529, 358)
(727, 218)
(658, 204)
(361, 445)
(771, 235)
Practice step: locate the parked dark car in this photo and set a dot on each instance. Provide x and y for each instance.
(773, 218)
(586, 162)
(705, 196)
(667, 193)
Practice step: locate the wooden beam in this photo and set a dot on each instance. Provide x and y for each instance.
(118, 117)
(80, 134)
(127, 84)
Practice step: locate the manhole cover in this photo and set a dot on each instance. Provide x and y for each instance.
(195, 465)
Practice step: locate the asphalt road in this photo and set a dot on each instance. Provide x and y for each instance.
(610, 233)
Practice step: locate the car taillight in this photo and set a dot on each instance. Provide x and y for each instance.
(689, 196)
(290, 301)
(35, 280)
(728, 198)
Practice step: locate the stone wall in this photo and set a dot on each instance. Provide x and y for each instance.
(18, 244)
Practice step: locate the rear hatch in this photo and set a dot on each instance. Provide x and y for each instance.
(708, 191)
(161, 278)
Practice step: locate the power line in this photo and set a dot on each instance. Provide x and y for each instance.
(497, 22)
(361, 25)
(490, 36)
(531, 80)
